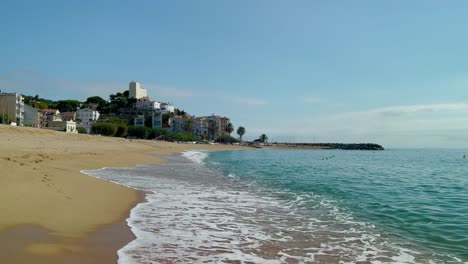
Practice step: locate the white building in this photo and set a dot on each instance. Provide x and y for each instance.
(135, 90)
(32, 116)
(85, 125)
(12, 108)
(167, 108)
(87, 114)
(147, 104)
(70, 126)
(65, 126)
(200, 128)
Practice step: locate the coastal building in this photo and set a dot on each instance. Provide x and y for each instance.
(12, 108)
(136, 91)
(146, 103)
(65, 126)
(181, 124)
(70, 127)
(216, 125)
(200, 128)
(167, 108)
(176, 123)
(139, 120)
(49, 116)
(85, 125)
(157, 119)
(206, 127)
(68, 116)
(32, 116)
(87, 114)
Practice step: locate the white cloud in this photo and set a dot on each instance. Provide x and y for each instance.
(413, 109)
(402, 111)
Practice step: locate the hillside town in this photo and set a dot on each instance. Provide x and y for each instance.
(137, 111)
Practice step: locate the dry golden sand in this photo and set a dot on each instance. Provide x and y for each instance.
(52, 213)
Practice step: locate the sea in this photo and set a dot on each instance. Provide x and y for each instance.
(299, 206)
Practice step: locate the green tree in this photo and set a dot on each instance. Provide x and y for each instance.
(165, 119)
(68, 105)
(212, 129)
(188, 126)
(229, 128)
(263, 138)
(180, 112)
(102, 104)
(37, 102)
(117, 101)
(241, 132)
(96, 100)
(40, 105)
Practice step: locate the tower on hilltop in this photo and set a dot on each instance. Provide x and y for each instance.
(135, 90)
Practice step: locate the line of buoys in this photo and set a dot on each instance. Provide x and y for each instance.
(328, 157)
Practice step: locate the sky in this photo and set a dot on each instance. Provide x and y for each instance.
(388, 72)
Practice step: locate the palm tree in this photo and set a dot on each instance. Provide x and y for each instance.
(229, 128)
(212, 130)
(188, 126)
(240, 132)
(264, 138)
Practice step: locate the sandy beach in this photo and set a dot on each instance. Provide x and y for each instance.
(52, 213)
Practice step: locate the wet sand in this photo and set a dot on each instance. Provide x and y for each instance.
(52, 213)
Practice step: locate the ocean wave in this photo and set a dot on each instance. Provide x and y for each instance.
(197, 156)
(193, 214)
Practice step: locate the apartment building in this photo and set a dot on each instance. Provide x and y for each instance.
(12, 108)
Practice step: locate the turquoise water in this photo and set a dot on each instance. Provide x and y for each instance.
(415, 199)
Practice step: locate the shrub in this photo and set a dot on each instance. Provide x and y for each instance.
(117, 120)
(158, 133)
(81, 130)
(122, 130)
(227, 139)
(4, 119)
(105, 129)
(184, 137)
(138, 132)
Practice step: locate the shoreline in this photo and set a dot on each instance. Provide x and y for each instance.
(59, 214)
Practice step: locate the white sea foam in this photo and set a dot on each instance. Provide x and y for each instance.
(197, 156)
(195, 215)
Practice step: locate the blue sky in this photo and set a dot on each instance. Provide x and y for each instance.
(390, 72)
